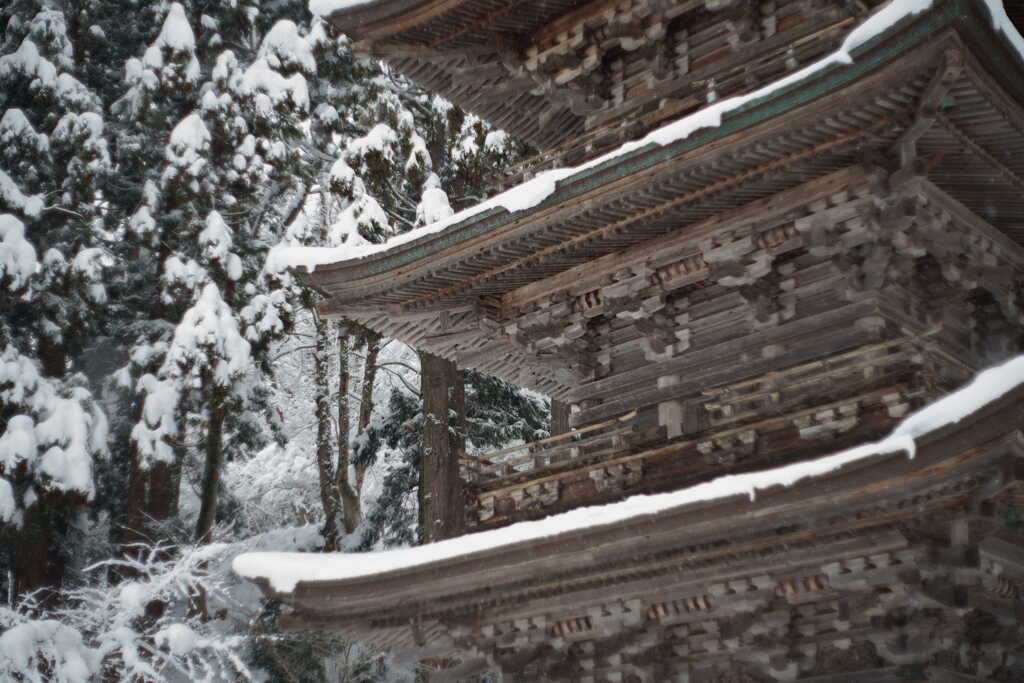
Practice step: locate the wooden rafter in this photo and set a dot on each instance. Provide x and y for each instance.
(657, 209)
(1004, 171)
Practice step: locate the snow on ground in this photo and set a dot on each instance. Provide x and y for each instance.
(285, 570)
(534, 191)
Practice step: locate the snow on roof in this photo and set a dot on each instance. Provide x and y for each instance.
(323, 8)
(534, 191)
(285, 570)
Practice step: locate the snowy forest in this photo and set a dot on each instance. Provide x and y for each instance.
(169, 397)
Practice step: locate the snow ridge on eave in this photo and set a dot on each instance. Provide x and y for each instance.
(283, 571)
(325, 8)
(535, 191)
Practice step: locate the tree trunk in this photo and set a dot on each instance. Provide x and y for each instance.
(559, 417)
(211, 472)
(441, 504)
(164, 481)
(132, 530)
(349, 496)
(52, 357)
(328, 489)
(366, 397)
(38, 564)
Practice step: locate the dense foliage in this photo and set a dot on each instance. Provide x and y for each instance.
(169, 397)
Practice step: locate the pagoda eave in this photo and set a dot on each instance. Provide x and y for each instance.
(755, 316)
(863, 508)
(534, 68)
(380, 277)
(455, 291)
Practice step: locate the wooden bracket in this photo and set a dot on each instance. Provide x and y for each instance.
(925, 115)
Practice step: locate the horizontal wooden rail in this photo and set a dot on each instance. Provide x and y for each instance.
(504, 466)
(486, 459)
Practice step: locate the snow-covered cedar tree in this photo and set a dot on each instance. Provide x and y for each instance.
(51, 434)
(220, 96)
(151, 154)
(499, 413)
(54, 158)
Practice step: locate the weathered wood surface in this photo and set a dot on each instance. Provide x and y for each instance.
(823, 354)
(788, 284)
(440, 490)
(828, 563)
(825, 312)
(975, 442)
(487, 351)
(612, 69)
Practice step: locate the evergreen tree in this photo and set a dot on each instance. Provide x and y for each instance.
(197, 225)
(53, 159)
(386, 153)
(150, 156)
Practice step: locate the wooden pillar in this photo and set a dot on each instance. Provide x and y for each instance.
(441, 504)
(559, 417)
(457, 438)
(670, 413)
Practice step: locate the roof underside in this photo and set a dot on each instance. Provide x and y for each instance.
(443, 37)
(511, 62)
(974, 152)
(508, 62)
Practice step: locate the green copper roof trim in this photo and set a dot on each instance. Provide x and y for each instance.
(749, 114)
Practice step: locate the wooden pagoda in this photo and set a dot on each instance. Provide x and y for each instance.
(785, 225)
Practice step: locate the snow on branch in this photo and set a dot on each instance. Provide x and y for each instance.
(12, 196)
(17, 255)
(105, 629)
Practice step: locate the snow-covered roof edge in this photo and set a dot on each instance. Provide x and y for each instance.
(324, 8)
(534, 191)
(283, 571)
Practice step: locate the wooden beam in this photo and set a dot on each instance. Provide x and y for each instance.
(423, 53)
(980, 152)
(592, 9)
(928, 105)
(441, 499)
(560, 411)
(557, 438)
(940, 674)
(661, 208)
(737, 219)
(405, 21)
(483, 21)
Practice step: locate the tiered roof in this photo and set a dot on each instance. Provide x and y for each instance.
(767, 280)
(730, 159)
